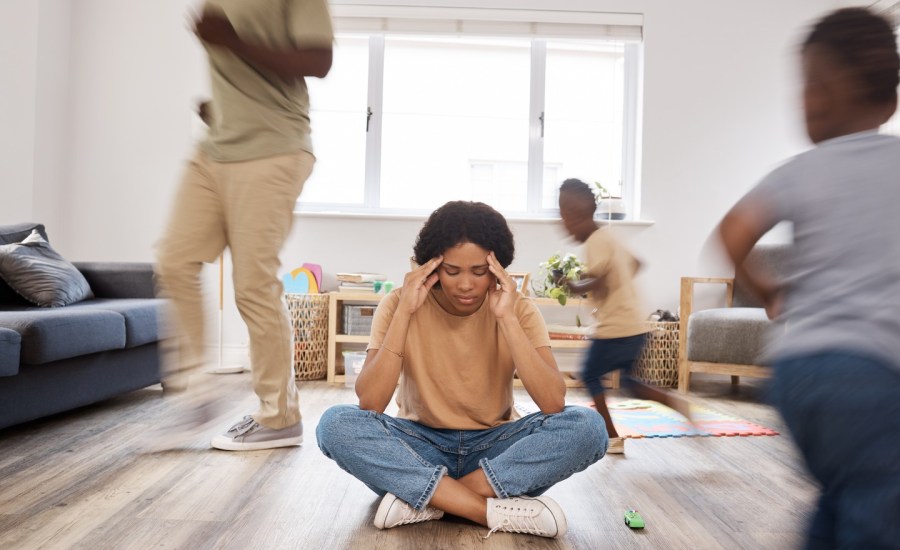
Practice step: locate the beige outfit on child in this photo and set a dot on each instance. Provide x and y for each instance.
(618, 309)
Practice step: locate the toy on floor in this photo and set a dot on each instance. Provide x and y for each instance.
(633, 519)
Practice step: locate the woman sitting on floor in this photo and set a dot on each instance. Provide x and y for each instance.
(454, 336)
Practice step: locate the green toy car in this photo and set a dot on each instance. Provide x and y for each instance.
(633, 519)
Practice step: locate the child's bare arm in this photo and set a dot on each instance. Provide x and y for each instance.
(587, 284)
(740, 230)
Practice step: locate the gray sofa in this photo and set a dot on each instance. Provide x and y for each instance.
(56, 359)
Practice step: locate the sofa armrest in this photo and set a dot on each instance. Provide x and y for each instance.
(119, 279)
(687, 291)
(686, 306)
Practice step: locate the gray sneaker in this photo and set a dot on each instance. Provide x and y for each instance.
(250, 435)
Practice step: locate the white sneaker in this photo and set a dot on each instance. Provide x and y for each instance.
(250, 435)
(616, 446)
(393, 512)
(534, 516)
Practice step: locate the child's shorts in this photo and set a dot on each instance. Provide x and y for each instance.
(609, 354)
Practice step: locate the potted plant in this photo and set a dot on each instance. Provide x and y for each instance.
(609, 207)
(553, 271)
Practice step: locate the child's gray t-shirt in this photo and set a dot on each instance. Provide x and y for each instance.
(843, 288)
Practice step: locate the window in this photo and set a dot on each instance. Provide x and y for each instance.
(451, 103)
(583, 132)
(407, 121)
(339, 127)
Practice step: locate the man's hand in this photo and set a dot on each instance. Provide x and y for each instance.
(215, 29)
(204, 111)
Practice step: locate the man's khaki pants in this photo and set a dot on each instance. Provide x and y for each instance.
(248, 207)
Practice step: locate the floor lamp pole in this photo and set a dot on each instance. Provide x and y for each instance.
(221, 368)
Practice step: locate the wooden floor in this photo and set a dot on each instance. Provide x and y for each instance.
(85, 480)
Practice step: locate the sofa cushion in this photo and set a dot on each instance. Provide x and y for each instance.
(728, 335)
(10, 343)
(142, 316)
(37, 272)
(61, 333)
(16, 233)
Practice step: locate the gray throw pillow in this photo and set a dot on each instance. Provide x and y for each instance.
(40, 275)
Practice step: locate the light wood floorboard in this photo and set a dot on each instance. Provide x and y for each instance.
(86, 479)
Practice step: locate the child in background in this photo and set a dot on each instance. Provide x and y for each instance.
(609, 280)
(837, 367)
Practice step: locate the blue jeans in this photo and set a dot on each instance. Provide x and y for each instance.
(405, 458)
(609, 354)
(843, 410)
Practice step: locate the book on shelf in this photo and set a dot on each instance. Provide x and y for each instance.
(360, 277)
(356, 287)
(568, 336)
(568, 332)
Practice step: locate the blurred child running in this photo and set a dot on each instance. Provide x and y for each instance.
(837, 367)
(621, 332)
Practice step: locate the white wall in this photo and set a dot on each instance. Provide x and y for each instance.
(135, 70)
(18, 61)
(52, 121)
(720, 110)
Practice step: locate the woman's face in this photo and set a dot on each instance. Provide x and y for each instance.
(465, 279)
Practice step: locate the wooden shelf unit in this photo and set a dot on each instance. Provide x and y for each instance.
(337, 340)
(611, 381)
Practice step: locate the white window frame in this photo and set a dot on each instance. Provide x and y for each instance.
(540, 26)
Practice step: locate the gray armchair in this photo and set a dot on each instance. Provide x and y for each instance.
(727, 340)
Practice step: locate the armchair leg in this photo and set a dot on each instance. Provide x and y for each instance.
(735, 380)
(684, 378)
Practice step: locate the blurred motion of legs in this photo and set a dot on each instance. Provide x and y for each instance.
(843, 412)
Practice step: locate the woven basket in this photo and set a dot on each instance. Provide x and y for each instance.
(309, 319)
(658, 362)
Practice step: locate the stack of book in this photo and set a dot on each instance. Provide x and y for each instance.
(567, 332)
(358, 282)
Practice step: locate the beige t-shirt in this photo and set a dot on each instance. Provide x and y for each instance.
(256, 114)
(618, 308)
(457, 371)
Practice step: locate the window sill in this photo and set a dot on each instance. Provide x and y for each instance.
(334, 214)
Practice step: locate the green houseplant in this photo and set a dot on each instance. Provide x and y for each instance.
(557, 267)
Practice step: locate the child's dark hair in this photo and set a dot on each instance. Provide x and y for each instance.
(866, 43)
(459, 222)
(582, 191)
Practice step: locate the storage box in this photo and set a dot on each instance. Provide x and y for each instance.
(358, 319)
(353, 364)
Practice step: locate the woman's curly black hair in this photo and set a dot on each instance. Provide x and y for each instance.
(459, 222)
(866, 43)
